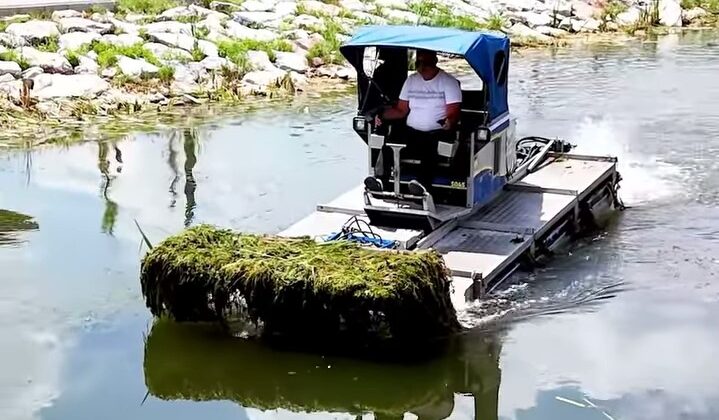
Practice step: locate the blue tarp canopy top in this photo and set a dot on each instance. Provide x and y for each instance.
(486, 52)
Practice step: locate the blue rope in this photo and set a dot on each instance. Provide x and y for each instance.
(362, 240)
(360, 236)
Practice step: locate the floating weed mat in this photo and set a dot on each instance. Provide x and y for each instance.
(296, 287)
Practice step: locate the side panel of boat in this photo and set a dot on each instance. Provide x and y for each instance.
(493, 162)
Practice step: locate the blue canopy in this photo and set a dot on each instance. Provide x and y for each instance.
(486, 52)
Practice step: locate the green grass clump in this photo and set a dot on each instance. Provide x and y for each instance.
(711, 6)
(609, 12)
(648, 18)
(147, 7)
(73, 56)
(197, 54)
(496, 22)
(50, 44)
(107, 53)
(12, 55)
(298, 287)
(435, 14)
(175, 56)
(236, 50)
(166, 74)
(328, 49)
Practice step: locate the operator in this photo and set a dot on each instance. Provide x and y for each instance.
(430, 99)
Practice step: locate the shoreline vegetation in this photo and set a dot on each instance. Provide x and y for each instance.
(70, 68)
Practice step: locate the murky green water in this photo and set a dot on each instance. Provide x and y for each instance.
(627, 321)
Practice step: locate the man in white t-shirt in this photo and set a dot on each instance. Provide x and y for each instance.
(430, 100)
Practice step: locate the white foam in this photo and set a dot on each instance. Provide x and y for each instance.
(645, 178)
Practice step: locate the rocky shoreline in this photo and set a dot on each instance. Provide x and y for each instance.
(145, 55)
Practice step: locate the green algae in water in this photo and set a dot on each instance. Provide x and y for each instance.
(11, 222)
(296, 287)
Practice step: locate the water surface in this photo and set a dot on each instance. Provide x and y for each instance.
(627, 320)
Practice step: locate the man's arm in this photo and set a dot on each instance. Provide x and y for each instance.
(453, 103)
(397, 112)
(453, 113)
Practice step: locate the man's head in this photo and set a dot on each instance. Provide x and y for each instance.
(426, 63)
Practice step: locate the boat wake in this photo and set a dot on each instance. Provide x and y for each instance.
(529, 299)
(645, 178)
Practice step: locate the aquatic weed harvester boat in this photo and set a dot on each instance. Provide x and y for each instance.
(386, 259)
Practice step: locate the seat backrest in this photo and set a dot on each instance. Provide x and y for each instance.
(475, 100)
(474, 111)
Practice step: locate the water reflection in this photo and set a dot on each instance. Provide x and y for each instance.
(190, 137)
(12, 222)
(199, 363)
(109, 216)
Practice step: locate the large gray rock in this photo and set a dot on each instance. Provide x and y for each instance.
(583, 10)
(192, 10)
(550, 31)
(184, 80)
(87, 66)
(257, 19)
(12, 41)
(136, 67)
(262, 79)
(308, 22)
(7, 77)
(257, 6)
(208, 13)
(212, 24)
(588, 25)
(75, 40)
(12, 90)
(214, 63)
(310, 41)
(670, 13)
(69, 86)
(259, 60)
(347, 73)
(164, 52)
(393, 4)
(628, 17)
(354, 5)
(208, 48)
(10, 67)
(291, 61)
(169, 27)
(286, 8)
(317, 7)
(236, 30)
(63, 14)
(49, 62)
(373, 19)
(32, 72)
(75, 24)
(519, 5)
(104, 17)
(124, 40)
(523, 31)
(136, 17)
(185, 42)
(561, 8)
(126, 27)
(536, 19)
(34, 30)
(402, 16)
(694, 14)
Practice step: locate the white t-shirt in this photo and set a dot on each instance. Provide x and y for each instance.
(428, 99)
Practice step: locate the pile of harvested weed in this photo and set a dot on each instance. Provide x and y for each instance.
(298, 287)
